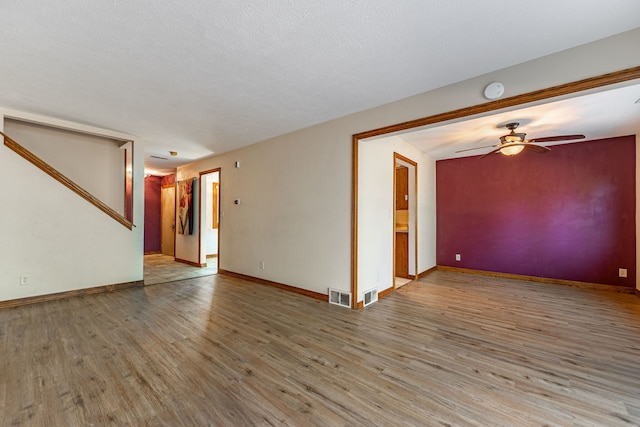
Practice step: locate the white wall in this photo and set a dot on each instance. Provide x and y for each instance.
(376, 207)
(56, 238)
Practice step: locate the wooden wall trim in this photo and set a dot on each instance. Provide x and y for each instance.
(289, 288)
(574, 283)
(381, 294)
(386, 292)
(69, 294)
(191, 263)
(426, 272)
(392, 289)
(638, 293)
(354, 222)
(201, 231)
(55, 174)
(512, 101)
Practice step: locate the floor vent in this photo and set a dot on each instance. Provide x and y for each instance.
(370, 296)
(339, 298)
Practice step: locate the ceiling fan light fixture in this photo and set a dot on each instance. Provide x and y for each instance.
(513, 137)
(512, 150)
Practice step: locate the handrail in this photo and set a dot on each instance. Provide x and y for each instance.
(55, 174)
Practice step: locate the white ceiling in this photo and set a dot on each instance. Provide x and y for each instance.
(605, 114)
(207, 76)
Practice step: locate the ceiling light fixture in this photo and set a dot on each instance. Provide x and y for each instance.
(511, 149)
(512, 143)
(173, 153)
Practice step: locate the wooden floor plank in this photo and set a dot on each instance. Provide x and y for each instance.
(451, 349)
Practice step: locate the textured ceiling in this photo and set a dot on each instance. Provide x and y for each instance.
(207, 76)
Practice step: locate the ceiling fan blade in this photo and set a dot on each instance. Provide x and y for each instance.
(490, 152)
(525, 145)
(536, 148)
(475, 148)
(556, 138)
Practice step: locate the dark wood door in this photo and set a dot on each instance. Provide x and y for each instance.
(402, 254)
(402, 187)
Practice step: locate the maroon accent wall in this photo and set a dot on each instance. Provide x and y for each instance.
(567, 214)
(152, 185)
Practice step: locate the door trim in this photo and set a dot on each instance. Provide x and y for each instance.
(412, 196)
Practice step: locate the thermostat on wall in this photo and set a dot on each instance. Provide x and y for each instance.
(494, 90)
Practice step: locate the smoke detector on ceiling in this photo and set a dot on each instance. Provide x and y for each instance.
(494, 90)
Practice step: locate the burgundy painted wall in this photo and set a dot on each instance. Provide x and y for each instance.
(152, 186)
(567, 214)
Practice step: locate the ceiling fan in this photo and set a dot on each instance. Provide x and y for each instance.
(514, 142)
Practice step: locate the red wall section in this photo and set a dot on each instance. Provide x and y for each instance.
(152, 186)
(567, 214)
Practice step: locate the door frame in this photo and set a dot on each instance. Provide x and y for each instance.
(547, 94)
(413, 214)
(201, 207)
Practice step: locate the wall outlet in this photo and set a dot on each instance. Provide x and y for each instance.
(622, 272)
(458, 257)
(24, 280)
(261, 265)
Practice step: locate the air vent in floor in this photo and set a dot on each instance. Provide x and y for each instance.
(339, 298)
(370, 296)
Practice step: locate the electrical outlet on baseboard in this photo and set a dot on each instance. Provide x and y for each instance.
(622, 272)
(458, 257)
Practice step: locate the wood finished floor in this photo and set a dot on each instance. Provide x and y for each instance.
(453, 349)
(161, 268)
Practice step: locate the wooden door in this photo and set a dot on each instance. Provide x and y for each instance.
(402, 254)
(402, 187)
(168, 220)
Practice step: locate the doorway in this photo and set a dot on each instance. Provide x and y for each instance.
(168, 219)
(210, 217)
(404, 219)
